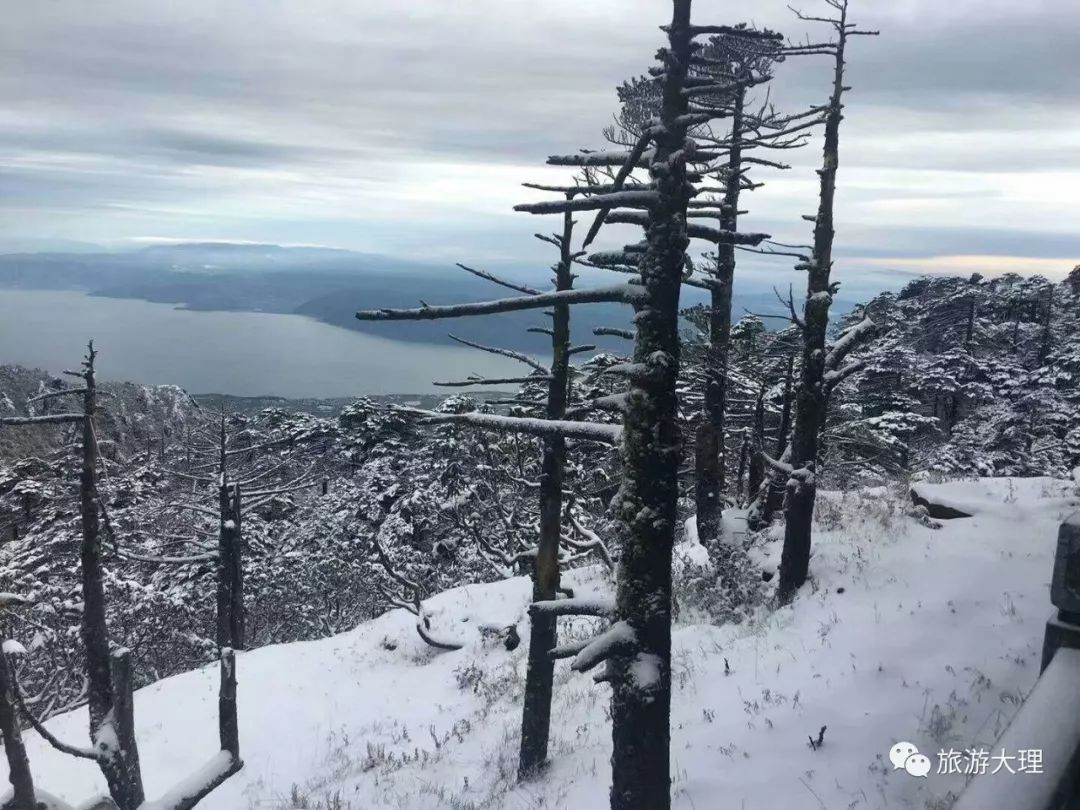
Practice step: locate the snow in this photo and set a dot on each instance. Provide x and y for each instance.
(935, 639)
(1049, 716)
(12, 647)
(219, 765)
(619, 637)
(645, 672)
(997, 496)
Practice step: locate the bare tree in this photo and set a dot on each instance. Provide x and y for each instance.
(22, 781)
(722, 74)
(243, 470)
(108, 671)
(554, 429)
(111, 731)
(635, 650)
(819, 368)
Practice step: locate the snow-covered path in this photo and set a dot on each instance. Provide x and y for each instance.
(906, 633)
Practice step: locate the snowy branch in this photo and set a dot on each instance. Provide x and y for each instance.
(693, 230)
(629, 199)
(194, 558)
(578, 606)
(617, 640)
(848, 341)
(51, 419)
(492, 381)
(496, 280)
(624, 293)
(626, 334)
(196, 787)
(532, 427)
(522, 358)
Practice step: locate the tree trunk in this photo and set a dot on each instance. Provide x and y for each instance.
(744, 456)
(646, 508)
(124, 713)
(230, 598)
(124, 782)
(810, 397)
(236, 579)
(709, 440)
(757, 463)
(228, 724)
(773, 497)
(22, 783)
(536, 712)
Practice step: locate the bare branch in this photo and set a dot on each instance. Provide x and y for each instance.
(522, 358)
(496, 280)
(627, 294)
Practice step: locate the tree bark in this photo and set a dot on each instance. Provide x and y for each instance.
(773, 497)
(757, 463)
(810, 397)
(125, 784)
(646, 508)
(230, 598)
(22, 782)
(228, 724)
(124, 713)
(536, 713)
(709, 441)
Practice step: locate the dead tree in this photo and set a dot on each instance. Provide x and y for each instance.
(554, 429)
(636, 649)
(115, 750)
(743, 63)
(22, 781)
(108, 671)
(810, 399)
(260, 481)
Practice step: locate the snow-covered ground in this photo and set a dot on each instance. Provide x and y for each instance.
(906, 633)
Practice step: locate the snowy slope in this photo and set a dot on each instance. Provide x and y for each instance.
(934, 639)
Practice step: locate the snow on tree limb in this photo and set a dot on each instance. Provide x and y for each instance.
(578, 606)
(149, 558)
(513, 355)
(623, 293)
(8, 599)
(491, 381)
(50, 419)
(532, 427)
(848, 341)
(601, 158)
(694, 230)
(630, 199)
(617, 640)
(59, 393)
(777, 466)
(194, 788)
(511, 285)
(600, 331)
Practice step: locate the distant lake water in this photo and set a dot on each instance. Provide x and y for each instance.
(241, 353)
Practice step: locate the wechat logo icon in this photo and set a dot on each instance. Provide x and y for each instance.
(906, 755)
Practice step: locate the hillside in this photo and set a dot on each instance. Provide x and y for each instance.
(908, 633)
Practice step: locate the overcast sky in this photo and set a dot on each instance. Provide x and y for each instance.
(406, 127)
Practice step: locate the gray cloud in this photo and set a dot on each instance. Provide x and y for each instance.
(405, 127)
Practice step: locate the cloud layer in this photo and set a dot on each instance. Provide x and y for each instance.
(405, 128)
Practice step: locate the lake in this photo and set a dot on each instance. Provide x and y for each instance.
(241, 353)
